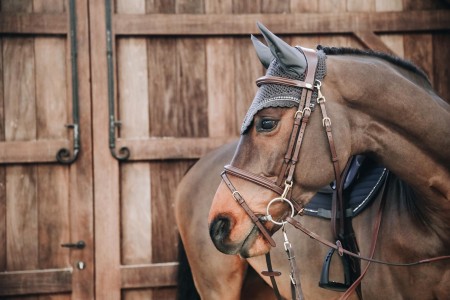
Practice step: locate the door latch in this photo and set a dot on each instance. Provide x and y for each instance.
(77, 245)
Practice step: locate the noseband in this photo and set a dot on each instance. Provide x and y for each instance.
(282, 186)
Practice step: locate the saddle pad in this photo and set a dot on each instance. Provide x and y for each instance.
(361, 186)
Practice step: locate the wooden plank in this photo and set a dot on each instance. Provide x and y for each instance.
(358, 5)
(304, 6)
(392, 41)
(35, 282)
(160, 6)
(165, 176)
(171, 148)
(248, 69)
(81, 172)
(212, 24)
(149, 275)
(246, 7)
(277, 7)
(48, 24)
(221, 99)
(52, 114)
(31, 152)
(419, 50)
(135, 209)
(372, 41)
(106, 175)
(19, 93)
(2, 171)
(21, 218)
(133, 101)
(52, 105)
(219, 74)
(441, 57)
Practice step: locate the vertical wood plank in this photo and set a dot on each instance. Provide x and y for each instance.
(248, 69)
(441, 57)
(280, 6)
(132, 83)
(393, 41)
(20, 124)
(221, 99)
(81, 172)
(192, 85)
(50, 6)
(247, 7)
(419, 50)
(52, 103)
(304, 6)
(52, 115)
(21, 219)
(106, 175)
(334, 6)
(357, 5)
(220, 72)
(160, 6)
(163, 76)
(19, 93)
(190, 6)
(2, 171)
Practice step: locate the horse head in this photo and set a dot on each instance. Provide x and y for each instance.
(266, 139)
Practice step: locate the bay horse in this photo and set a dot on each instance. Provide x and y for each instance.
(376, 105)
(220, 276)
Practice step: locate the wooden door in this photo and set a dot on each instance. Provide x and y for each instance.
(45, 203)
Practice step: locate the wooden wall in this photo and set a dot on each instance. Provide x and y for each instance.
(184, 74)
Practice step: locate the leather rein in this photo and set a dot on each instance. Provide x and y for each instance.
(284, 184)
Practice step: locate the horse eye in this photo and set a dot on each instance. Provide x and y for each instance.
(266, 125)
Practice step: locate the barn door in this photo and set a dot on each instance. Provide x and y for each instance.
(46, 194)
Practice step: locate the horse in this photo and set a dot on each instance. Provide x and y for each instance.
(372, 104)
(220, 276)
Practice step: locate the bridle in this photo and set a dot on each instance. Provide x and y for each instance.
(282, 186)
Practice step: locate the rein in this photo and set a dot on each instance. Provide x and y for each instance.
(284, 183)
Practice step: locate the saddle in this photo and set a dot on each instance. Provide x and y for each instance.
(363, 181)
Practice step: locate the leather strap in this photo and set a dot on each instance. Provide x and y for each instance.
(321, 240)
(271, 273)
(247, 209)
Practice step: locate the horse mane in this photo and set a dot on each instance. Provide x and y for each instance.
(403, 63)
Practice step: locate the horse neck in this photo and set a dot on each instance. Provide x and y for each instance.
(402, 124)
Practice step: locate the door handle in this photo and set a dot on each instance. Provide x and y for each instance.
(77, 245)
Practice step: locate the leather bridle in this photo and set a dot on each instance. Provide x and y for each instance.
(282, 186)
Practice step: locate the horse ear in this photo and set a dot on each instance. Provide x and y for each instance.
(289, 57)
(263, 52)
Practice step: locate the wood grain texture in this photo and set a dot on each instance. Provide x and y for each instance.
(192, 116)
(247, 69)
(106, 176)
(165, 176)
(418, 48)
(132, 83)
(48, 24)
(304, 6)
(149, 275)
(244, 24)
(21, 218)
(170, 148)
(441, 42)
(2, 171)
(35, 282)
(19, 89)
(221, 98)
(161, 6)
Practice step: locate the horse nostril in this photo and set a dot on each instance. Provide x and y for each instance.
(220, 228)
